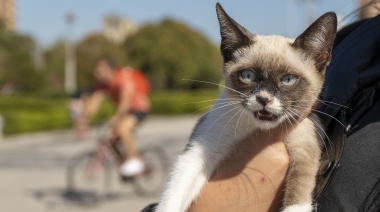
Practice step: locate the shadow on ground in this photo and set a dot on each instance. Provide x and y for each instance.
(56, 197)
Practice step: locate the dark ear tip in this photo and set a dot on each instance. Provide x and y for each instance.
(331, 16)
(218, 7)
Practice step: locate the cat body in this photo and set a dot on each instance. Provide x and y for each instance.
(268, 80)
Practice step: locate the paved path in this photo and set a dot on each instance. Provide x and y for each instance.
(32, 168)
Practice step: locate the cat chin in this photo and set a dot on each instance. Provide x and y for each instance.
(267, 125)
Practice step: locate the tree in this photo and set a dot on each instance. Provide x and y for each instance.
(17, 69)
(170, 52)
(55, 65)
(89, 50)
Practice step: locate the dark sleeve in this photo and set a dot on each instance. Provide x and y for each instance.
(349, 175)
(355, 183)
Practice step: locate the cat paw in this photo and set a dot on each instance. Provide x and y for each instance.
(299, 208)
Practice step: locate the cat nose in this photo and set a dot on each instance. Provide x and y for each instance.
(264, 100)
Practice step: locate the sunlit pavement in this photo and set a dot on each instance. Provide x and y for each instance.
(33, 167)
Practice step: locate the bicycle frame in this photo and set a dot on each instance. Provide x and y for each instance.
(109, 154)
(107, 147)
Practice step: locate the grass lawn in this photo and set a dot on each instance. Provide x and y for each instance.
(31, 113)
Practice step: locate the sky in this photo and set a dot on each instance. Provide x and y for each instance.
(45, 19)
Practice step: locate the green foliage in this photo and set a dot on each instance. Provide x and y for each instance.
(182, 103)
(16, 62)
(23, 114)
(89, 50)
(27, 114)
(170, 51)
(55, 66)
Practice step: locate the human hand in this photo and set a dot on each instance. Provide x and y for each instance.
(252, 178)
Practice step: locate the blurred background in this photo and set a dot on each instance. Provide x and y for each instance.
(48, 50)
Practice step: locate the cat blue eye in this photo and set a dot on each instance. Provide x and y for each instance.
(248, 76)
(289, 79)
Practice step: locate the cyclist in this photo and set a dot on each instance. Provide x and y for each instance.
(128, 89)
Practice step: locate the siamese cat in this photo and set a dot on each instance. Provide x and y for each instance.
(271, 79)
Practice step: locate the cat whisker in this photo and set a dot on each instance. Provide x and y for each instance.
(294, 120)
(297, 101)
(291, 116)
(323, 102)
(222, 105)
(318, 111)
(211, 100)
(297, 113)
(334, 103)
(237, 124)
(329, 116)
(323, 140)
(212, 83)
(328, 105)
(287, 118)
(286, 126)
(287, 115)
(220, 117)
(217, 104)
(246, 115)
(320, 127)
(229, 122)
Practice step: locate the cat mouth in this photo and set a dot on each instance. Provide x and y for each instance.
(265, 115)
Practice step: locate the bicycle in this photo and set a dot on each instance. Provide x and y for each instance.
(89, 174)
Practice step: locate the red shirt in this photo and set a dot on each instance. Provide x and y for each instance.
(131, 81)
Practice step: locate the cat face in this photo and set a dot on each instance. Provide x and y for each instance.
(276, 78)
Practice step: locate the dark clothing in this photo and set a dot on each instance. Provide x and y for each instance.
(140, 115)
(349, 177)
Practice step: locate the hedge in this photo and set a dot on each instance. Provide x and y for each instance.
(30, 113)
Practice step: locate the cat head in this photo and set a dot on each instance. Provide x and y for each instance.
(276, 78)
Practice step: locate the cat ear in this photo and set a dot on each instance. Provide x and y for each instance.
(233, 35)
(318, 39)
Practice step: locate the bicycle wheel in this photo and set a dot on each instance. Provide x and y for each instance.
(88, 177)
(150, 182)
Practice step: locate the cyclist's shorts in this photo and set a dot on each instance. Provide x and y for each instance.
(140, 115)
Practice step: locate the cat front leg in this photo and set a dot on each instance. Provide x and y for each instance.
(304, 150)
(191, 172)
(210, 142)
